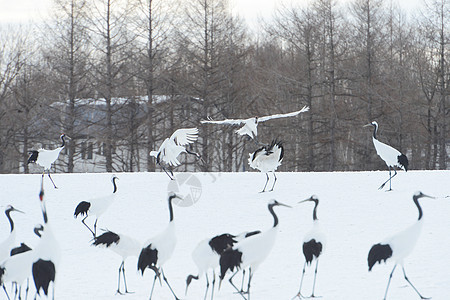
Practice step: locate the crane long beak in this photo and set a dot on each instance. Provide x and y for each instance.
(15, 209)
(367, 125)
(306, 200)
(282, 204)
(427, 196)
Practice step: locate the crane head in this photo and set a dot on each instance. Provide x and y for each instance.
(313, 198)
(274, 202)
(418, 195)
(11, 208)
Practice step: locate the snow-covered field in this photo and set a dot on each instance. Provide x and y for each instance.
(353, 213)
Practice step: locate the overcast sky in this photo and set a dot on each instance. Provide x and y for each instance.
(35, 10)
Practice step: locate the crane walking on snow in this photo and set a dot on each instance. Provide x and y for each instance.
(173, 146)
(250, 252)
(313, 246)
(159, 249)
(251, 124)
(96, 206)
(399, 246)
(45, 158)
(121, 244)
(391, 156)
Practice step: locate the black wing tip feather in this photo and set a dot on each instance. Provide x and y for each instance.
(43, 273)
(229, 260)
(147, 259)
(82, 208)
(222, 242)
(2, 273)
(33, 157)
(106, 239)
(403, 161)
(21, 249)
(378, 253)
(312, 249)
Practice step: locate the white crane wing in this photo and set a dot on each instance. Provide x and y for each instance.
(226, 121)
(184, 136)
(291, 114)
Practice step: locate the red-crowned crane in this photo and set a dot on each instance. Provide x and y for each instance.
(267, 159)
(8, 243)
(17, 268)
(399, 246)
(313, 245)
(207, 254)
(96, 206)
(125, 246)
(250, 125)
(159, 249)
(250, 252)
(173, 146)
(45, 158)
(391, 156)
(47, 254)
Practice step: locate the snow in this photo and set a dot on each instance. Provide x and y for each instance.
(353, 213)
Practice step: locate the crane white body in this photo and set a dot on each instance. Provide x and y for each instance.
(399, 246)
(251, 251)
(121, 244)
(45, 158)
(391, 156)
(267, 159)
(250, 125)
(7, 244)
(96, 206)
(159, 249)
(314, 243)
(173, 146)
(47, 254)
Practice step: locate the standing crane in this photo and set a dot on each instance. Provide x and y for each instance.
(96, 206)
(121, 244)
(207, 254)
(391, 156)
(313, 245)
(45, 158)
(159, 249)
(8, 243)
(250, 252)
(17, 268)
(399, 246)
(173, 146)
(46, 254)
(267, 159)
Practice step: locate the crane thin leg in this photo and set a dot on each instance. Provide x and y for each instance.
(275, 180)
(213, 284)
(389, 282)
(168, 285)
(7, 296)
(404, 274)
(267, 180)
(82, 221)
(299, 294)
(315, 275)
(207, 286)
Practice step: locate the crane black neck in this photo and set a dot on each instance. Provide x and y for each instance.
(63, 141)
(7, 213)
(275, 218)
(114, 184)
(416, 201)
(315, 210)
(375, 128)
(171, 197)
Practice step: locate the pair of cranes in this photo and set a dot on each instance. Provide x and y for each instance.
(40, 262)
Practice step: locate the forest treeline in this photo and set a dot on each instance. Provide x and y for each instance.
(350, 63)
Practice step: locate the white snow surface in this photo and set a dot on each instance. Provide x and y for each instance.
(353, 213)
